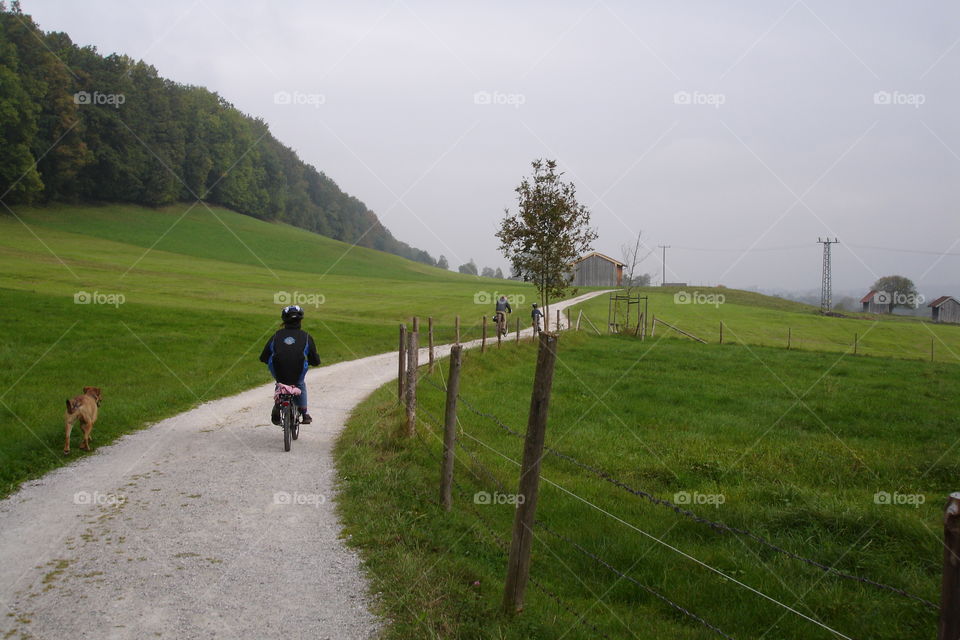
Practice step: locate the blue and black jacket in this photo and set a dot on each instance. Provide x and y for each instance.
(289, 353)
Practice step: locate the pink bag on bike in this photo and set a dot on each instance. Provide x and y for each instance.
(284, 389)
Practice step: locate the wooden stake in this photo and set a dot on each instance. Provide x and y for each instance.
(450, 428)
(458, 330)
(789, 338)
(558, 321)
(653, 326)
(518, 330)
(430, 340)
(568, 318)
(949, 628)
(721, 332)
(483, 339)
(415, 323)
(401, 371)
(518, 566)
(579, 316)
(855, 340)
(413, 353)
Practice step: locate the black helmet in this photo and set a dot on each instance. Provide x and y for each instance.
(293, 313)
(534, 305)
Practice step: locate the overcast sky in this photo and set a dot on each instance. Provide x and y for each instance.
(711, 127)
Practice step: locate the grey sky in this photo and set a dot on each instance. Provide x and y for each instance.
(777, 135)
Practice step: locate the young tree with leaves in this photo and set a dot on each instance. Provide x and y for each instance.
(549, 231)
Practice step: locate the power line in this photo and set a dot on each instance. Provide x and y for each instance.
(921, 251)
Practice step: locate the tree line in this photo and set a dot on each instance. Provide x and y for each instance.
(76, 126)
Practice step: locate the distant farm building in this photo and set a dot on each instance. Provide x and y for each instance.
(597, 270)
(870, 303)
(945, 309)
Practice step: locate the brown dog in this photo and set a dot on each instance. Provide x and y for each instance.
(85, 408)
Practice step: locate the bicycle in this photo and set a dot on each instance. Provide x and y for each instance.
(286, 396)
(501, 320)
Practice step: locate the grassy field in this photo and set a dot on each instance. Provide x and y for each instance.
(799, 447)
(180, 302)
(756, 319)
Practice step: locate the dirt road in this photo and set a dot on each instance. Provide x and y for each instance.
(199, 526)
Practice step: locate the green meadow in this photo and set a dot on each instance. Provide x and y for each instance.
(846, 460)
(165, 309)
(755, 319)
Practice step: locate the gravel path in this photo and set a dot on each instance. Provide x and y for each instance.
(199, 526)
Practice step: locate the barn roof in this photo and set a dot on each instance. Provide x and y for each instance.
(868, 297)
(599, 255)
(939, 301)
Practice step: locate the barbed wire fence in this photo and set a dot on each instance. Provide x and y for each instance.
(482, 474)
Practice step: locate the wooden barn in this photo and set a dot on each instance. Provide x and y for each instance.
(945, 309)
(597, 270)
(871, 304)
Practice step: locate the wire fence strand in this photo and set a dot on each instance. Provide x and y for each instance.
(716, 525)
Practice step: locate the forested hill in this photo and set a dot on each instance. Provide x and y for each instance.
(78, 126)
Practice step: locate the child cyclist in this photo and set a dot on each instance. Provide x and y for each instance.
(288, 355)
(535, 316)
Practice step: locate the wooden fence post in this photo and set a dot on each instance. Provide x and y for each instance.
(413, 348)
(653, 326)
(949, 628)
(789, 338)
(855, 340)
(403, 362)
(721, 332)
(497, 328)
(415, 324)
(483, 338)
(518, 330)
(450, 427)
(518, 566)
(430, 340)
(568, 318)
(458, 330)
(558, 321)
(579, 316)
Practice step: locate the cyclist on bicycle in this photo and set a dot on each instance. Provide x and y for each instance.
(535, 316)
(288, 355)
(503, 307)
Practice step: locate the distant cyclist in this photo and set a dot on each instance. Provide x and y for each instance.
(288, 355)
(535, 316)
(503, 308)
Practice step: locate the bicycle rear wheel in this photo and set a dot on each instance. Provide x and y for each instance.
(286, 418)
